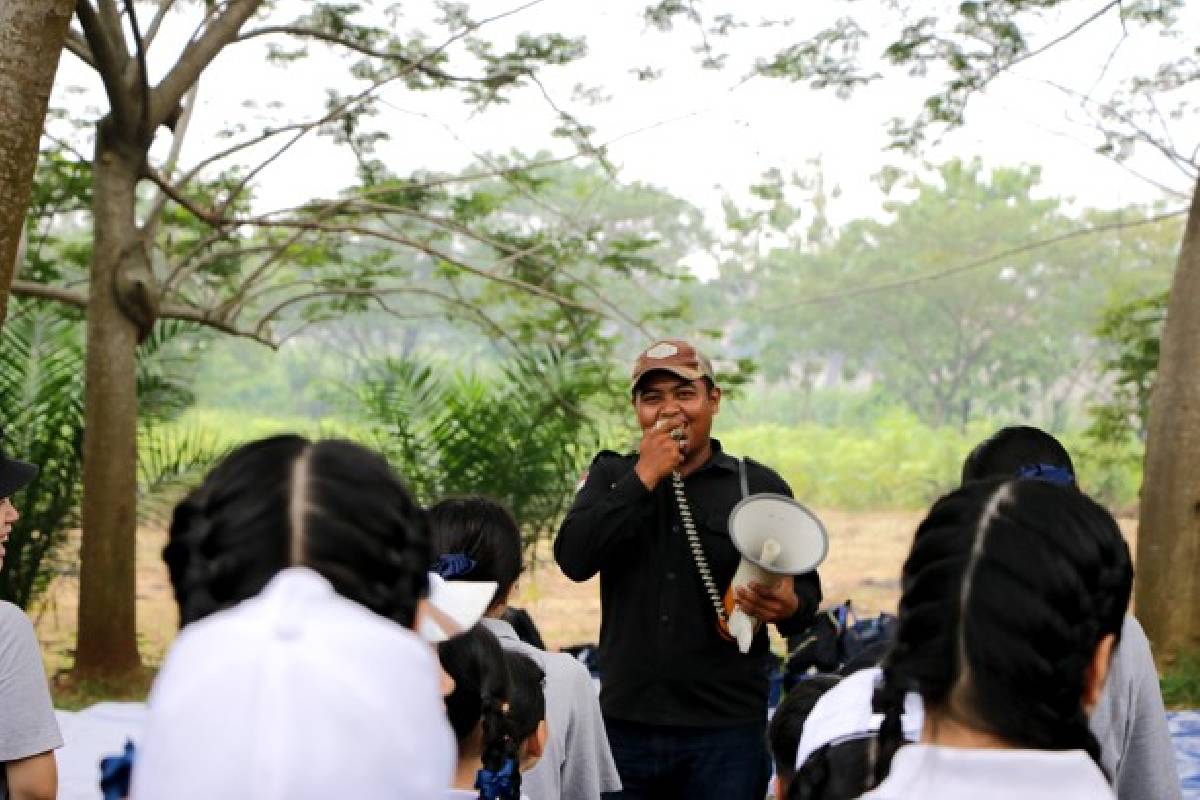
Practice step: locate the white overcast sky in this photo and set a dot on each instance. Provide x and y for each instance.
(698, 133)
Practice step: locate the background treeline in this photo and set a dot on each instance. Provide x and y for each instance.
(865, 356)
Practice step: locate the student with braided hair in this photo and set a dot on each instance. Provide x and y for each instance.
(1013, 597)
(298, 568)
(475, 538)
(1129, 721)
(497, 711)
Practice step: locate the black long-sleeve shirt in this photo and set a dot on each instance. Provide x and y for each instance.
(662, 659)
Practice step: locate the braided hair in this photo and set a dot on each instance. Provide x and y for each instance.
(333, 506)
(476, 539)
(1006, 593)
(481, 702)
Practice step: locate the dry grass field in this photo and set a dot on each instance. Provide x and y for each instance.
(866, 552)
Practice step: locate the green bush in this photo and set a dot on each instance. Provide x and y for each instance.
(899, 462)
(521, 435)
(41, 405)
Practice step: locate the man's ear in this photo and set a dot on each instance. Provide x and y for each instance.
(1097, 673)
(714, 395)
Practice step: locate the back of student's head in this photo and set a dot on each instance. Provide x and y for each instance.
(481, 686)
(496, 706)
(333, 506)
(783, 734)
(1019, 451)
(1007, 592)
(834, 771)
(527, 696)
(476, 539)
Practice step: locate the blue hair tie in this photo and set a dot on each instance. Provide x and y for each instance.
(1059, 476)
(454, 565)
(115, 773)
(497, 785)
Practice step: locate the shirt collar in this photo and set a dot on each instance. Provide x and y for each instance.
(719, 459)
(499, 628)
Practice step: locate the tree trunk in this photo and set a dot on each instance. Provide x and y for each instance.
(107, 645)
(1168, 563)
(31, 38)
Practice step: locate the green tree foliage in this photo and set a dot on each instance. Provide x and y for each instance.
(1132, 330)
(943, 304)
(41, 401)
(520, 432)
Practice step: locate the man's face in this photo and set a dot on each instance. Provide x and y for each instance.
(678, 403)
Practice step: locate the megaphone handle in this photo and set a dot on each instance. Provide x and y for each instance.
(697, 548)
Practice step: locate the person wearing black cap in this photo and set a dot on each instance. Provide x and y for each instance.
(28, 730)
(685, 710)
(1129, 720)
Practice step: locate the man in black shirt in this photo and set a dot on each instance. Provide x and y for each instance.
(685, 709)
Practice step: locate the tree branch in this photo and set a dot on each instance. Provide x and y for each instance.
(69, 297)
(164, 6)
(58, 294)
(418, 65)
(142, 73)
(178, 133)
(78, 47)
(111, 58)
(197, 56)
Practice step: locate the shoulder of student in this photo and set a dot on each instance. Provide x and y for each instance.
(13, 623)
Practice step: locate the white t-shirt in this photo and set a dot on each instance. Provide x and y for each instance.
(931, 772)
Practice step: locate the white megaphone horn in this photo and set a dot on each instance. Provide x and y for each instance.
(778, 538)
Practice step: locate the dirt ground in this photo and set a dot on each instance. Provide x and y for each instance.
(866, 551)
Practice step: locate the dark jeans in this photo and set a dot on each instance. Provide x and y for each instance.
(663, 762)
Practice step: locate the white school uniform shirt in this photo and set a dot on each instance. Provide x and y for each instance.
(296, 694)
(930, 772)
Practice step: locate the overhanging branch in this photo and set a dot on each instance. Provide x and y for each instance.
(418, 65)
(197, 56)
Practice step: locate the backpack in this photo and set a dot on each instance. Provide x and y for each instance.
(838, 643)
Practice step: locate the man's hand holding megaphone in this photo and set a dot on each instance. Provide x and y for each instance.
(769, 603)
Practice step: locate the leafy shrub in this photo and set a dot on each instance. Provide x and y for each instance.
(41, 405)
(521, 435)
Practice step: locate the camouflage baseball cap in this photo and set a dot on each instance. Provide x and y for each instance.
(675, 356)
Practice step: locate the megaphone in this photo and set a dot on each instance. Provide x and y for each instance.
(777, 537)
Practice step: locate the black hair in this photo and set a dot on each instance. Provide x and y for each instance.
(481, 688)
(486, 533)
(832, 772)
(1009, 450)
(496, 692)
(1006, 593)
(783, 734)
(333, 506)
(527, 697)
